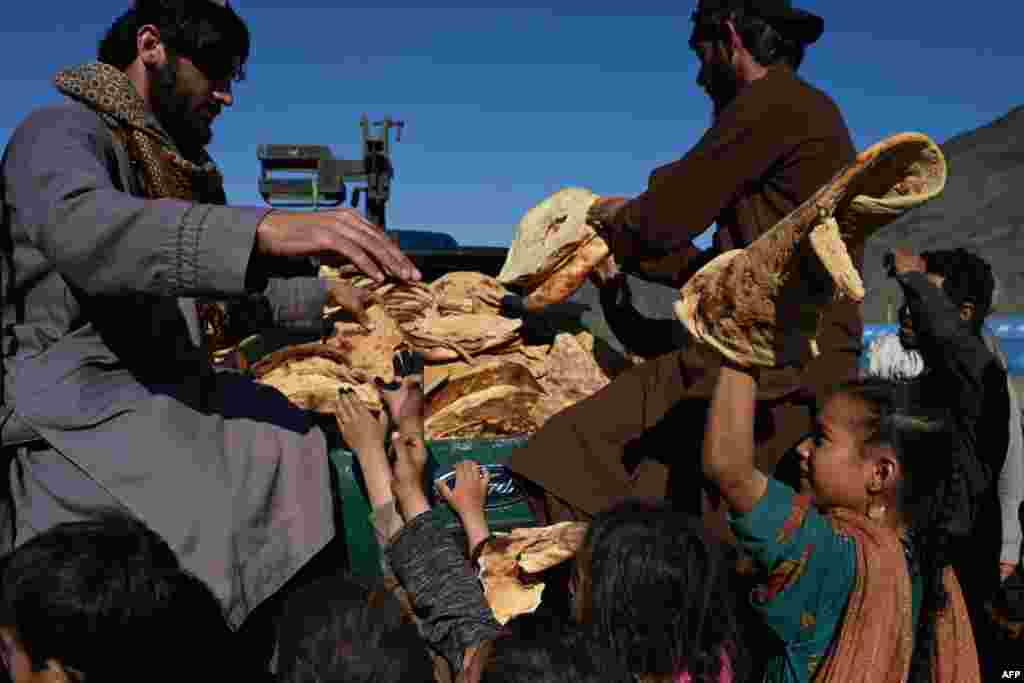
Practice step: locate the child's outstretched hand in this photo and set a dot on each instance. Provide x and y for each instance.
(467, 499)
(364, 434)
(470, 490)
(408, 480)
(360, 429)
(403, 398)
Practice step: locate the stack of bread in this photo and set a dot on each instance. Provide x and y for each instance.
(489, 372)
(758, 306)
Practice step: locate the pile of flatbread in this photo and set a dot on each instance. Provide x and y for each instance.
(486, 374)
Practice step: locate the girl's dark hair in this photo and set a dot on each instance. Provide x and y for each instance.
(766, 45)
(967, 278)
(106, 598)
(657, 592)
(214, 37)
(936, 490)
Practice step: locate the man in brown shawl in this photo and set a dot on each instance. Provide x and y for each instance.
(774, 141)
(115, 222)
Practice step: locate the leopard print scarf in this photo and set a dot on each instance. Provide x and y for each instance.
(162, 171)
(165, 173)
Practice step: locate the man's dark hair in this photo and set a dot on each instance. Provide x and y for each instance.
(967, 278)
(107, 598)
(657, 592)
(766, 45)
(339, 629)
(215, 38)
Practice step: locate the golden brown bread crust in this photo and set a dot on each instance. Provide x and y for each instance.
(371, 350)
(496, 411)
(507, 374)
(448, 337)
(310, 375)
(468, 292)
(510, 563)
(564, 282)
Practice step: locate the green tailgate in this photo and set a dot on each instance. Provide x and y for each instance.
(506, 502)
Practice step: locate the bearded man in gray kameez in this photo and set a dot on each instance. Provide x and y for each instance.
(115, 223)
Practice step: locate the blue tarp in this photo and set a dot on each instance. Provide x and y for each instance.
(1009, 329)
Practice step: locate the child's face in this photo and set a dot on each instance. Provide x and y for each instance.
(831, 458)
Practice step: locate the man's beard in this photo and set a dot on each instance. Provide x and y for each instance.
(722, 85)
(186, 127)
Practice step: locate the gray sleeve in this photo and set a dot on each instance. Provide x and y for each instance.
(59, 169)
(297, 302)
(445, 592)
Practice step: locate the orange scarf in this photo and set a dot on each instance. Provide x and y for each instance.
(877, 636)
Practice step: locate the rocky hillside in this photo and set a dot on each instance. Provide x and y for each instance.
(981, 209)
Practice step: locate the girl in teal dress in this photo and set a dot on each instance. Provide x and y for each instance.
(857, 584)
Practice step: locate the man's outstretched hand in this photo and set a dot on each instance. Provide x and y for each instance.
(608, 218)
(336, 236)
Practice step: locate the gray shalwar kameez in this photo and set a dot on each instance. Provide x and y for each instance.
(105, 361)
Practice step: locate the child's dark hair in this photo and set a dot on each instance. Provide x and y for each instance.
(341, 629)
(214, 37)
(936, 490)
(107, 598)
(564, 655)
(657, 593)
(966, 278)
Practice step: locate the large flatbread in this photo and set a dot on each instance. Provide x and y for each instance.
(496, 400)
(761, 306)
(567, 280)
(510, 565)
(554, 241)
(508, 374)
(369, 351)
(310, 375)
(502, 409)
(468, 292)
(533, 357)
(407, 302)
(448, 337)
(309, 389)
(572, 375)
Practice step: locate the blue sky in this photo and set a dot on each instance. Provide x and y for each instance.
(505, 105)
